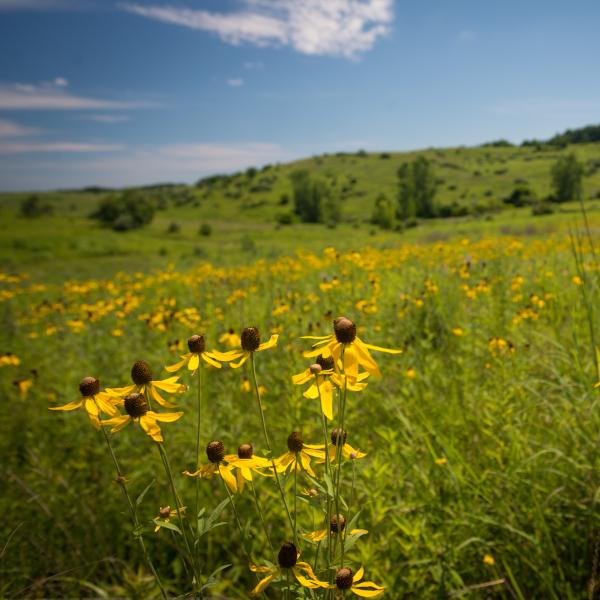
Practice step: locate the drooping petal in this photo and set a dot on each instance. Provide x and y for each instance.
(210, 359)
(261, 585)
(69, 406)
(350, 453)
(380, 349)
(148, 424)
(271, 343)
(305, 459)
(170, 385)
(91, 407)
(312, 392)
(117, 423)
(327, 399)
(228, 478)
(177, 366)
(302, 378)
(315, 536)
(165, 417)
(122, 391)
(237, 365)
(358, 575)
(105, 405)
(154, 393)
(194, 362)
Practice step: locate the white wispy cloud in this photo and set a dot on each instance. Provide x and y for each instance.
(10, 129)
(251, 65)
(109, 119)
(137, 165)
(235, 82)
(315, 27)
(55, 96)
(17, 5)
(53, 147)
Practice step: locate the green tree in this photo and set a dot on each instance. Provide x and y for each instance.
(33, 207)
(417, 187)
(567, 177)
(383, 212)
(128, 210)
(308, 197)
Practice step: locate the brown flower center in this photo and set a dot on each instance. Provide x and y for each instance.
(141, 373)
(136, 405)
(338, 435)
(287, 556)
(89, 386)
(215, 451)
(245, 451)
(343, 579)
(295, 442)
(196, 344)
(326, 362)
(345, 330)
(165, 512)
(337, 523)
(250, 339)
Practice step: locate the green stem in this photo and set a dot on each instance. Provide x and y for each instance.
(178, 506)
(237, 520)
(296, 496)
(268, 443)
(197, 499)
(136, 523)
(339, 446)
(262, 520)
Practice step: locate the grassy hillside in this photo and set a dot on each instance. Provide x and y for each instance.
(242, 210)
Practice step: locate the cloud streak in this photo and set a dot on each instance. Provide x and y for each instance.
(55, 147)
(54, 96)
(335, 27)
(10, 129)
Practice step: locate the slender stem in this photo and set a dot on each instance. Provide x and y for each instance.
(199, 406)
(339, 446)
(296, 495)
(262, 520)
(328, 474)
(178, 506)
(237, 520)
(268, 443)
(288, 593)
(136, 524)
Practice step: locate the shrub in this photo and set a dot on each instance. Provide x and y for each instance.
(417, 188)
(205, 230)
(383, 212)
(174, 227)
(522, 195)
(286, 218)
(33, 207)
(541, 208)
(567, 175)
(125, 211)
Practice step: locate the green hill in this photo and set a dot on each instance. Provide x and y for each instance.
(243, 209)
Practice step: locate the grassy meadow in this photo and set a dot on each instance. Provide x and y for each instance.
(480, 478)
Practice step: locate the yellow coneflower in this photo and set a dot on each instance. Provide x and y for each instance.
(9, 359)
(348, 452)
(356, 352)
(197, 350)
(23, 385)
(299, 454)
(322, 375)
(165, 514)
(136, 407)
(215, 452)
(141, 374)
(93, 400)
(250, 342)
(287, 560)
(244, 462)
(346, 580)
(337, 525)
(230, 338)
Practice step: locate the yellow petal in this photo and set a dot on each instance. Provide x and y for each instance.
(302, 378)
(117, 423)
(270, 344)
(176, 366)
(91, 407)
(261, 585)
(69, 406)
(154, 393)
(105, 405)
(208, 358)
(228, 478)
(194, 362)
(165, 417)
(170, 385)
(327, 399)
(358, 575)
(237, 365)
(122, 391)
(315, 536)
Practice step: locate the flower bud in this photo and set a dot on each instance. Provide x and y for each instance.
(245, 451)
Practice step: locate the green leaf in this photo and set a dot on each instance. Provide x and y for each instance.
(139, 499)
(167, 525)
(211, 580)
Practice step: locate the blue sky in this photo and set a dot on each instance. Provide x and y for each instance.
(104, 92)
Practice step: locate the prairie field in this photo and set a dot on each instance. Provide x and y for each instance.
(480, 474)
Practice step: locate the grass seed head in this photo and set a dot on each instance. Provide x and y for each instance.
(343, 579)
(250, 339)
(136, 405)
(287, 556)
(345, 330)
(89, 386)
(338, 434)
(295, 442)
(215, 451)
(141, 373)
(196, 344)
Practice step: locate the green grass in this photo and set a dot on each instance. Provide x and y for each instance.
(486, 450)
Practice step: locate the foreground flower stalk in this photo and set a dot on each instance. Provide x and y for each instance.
(268, 442)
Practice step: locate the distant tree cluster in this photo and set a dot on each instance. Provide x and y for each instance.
(33, 206)
(417, 187)
(314, 202)
(567, 179)
(130, 209)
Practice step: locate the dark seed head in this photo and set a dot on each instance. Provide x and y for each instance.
(337, 523)
(338, 434)
(250, 339)
(343, 579)
(89, 386)
(345, 330)
(197, 344)
(326, 362)
(165, 512)
(215, 451)
(288, 555)
(295, 442)
(245, 451)
(136, 405)
(141, 372)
